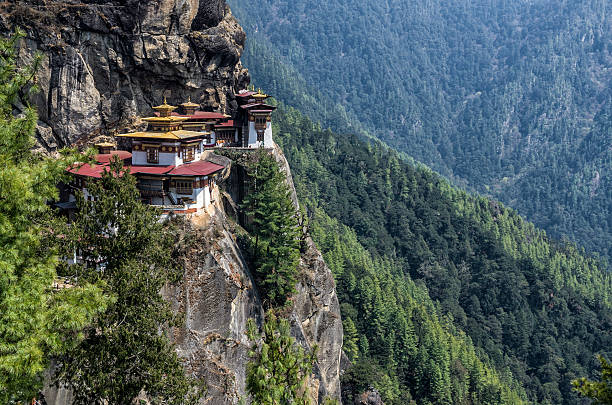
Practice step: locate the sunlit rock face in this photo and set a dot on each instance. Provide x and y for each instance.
(107, 62)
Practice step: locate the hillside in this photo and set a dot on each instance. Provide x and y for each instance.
(535, 306)
(510, 99)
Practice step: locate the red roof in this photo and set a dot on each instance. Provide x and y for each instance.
(88, 170)
(85, 169)
(199, 168)
(150, 169)
(206, 115)
(227, 124)
(106, 157)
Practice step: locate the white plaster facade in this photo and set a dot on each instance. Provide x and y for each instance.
(139, 157)
(252, 141)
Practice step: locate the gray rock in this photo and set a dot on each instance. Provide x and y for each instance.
(217, 297)
(370, 397)
(106, 63)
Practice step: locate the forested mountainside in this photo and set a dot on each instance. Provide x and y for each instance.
(417, 260)
(508, 98)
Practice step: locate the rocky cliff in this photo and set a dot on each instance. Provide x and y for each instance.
(107, 61)
(218, 296)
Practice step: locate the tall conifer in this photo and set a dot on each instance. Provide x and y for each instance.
(274, 229)
(279, 367)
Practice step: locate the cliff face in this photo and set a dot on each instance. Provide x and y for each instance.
(107, 61)
(218, 296)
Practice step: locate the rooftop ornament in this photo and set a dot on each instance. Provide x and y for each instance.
(260, 96)
(165, 109)
(190, 104)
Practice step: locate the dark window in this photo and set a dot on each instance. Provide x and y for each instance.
(184, 187)
(152, 155)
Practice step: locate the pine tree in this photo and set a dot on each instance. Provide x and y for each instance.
(351, 339)
(124, 246)
(279, 367)
(274, 229)
(36, 321)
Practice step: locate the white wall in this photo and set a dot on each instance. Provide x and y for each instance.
(268, 135)
(206, 197)
(252, 140)
(165, 159)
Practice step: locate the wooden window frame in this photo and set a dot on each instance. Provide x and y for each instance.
(189, 153)
(182, 186)
(152, 154)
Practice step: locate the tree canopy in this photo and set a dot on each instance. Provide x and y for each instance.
(532, 305)
(121, 244)
(278, 368)
(274, 228)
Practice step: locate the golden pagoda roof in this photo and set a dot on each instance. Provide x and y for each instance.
(173, 119)
(189, 103)
(170, 135)
(105, 144)
(164, 107)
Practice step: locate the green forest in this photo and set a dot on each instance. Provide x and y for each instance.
(507, 98)
(436, 285)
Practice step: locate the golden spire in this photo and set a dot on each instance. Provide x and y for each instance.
(260, 96)
(189, 105)
(164, 110)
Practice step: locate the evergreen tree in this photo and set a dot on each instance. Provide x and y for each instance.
(599, 391)
(124, 246)
(274, 228)
(36, 321)
(279, 368)
(351, 339)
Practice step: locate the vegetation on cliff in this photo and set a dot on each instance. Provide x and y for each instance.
(279, 367)
(599, 391)
(273, 228)
(36, 320)
(122, 246)
(534, 306)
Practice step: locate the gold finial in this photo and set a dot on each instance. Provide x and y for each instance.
(189, 99)
(165, 103)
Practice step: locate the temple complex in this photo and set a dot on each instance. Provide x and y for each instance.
(167, 157)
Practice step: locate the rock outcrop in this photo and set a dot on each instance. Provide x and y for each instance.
(217, 296)
(105, 62)
(370, 397)
(315, 311)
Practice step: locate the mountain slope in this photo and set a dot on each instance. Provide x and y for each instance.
(536, 306)
(499, 96)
